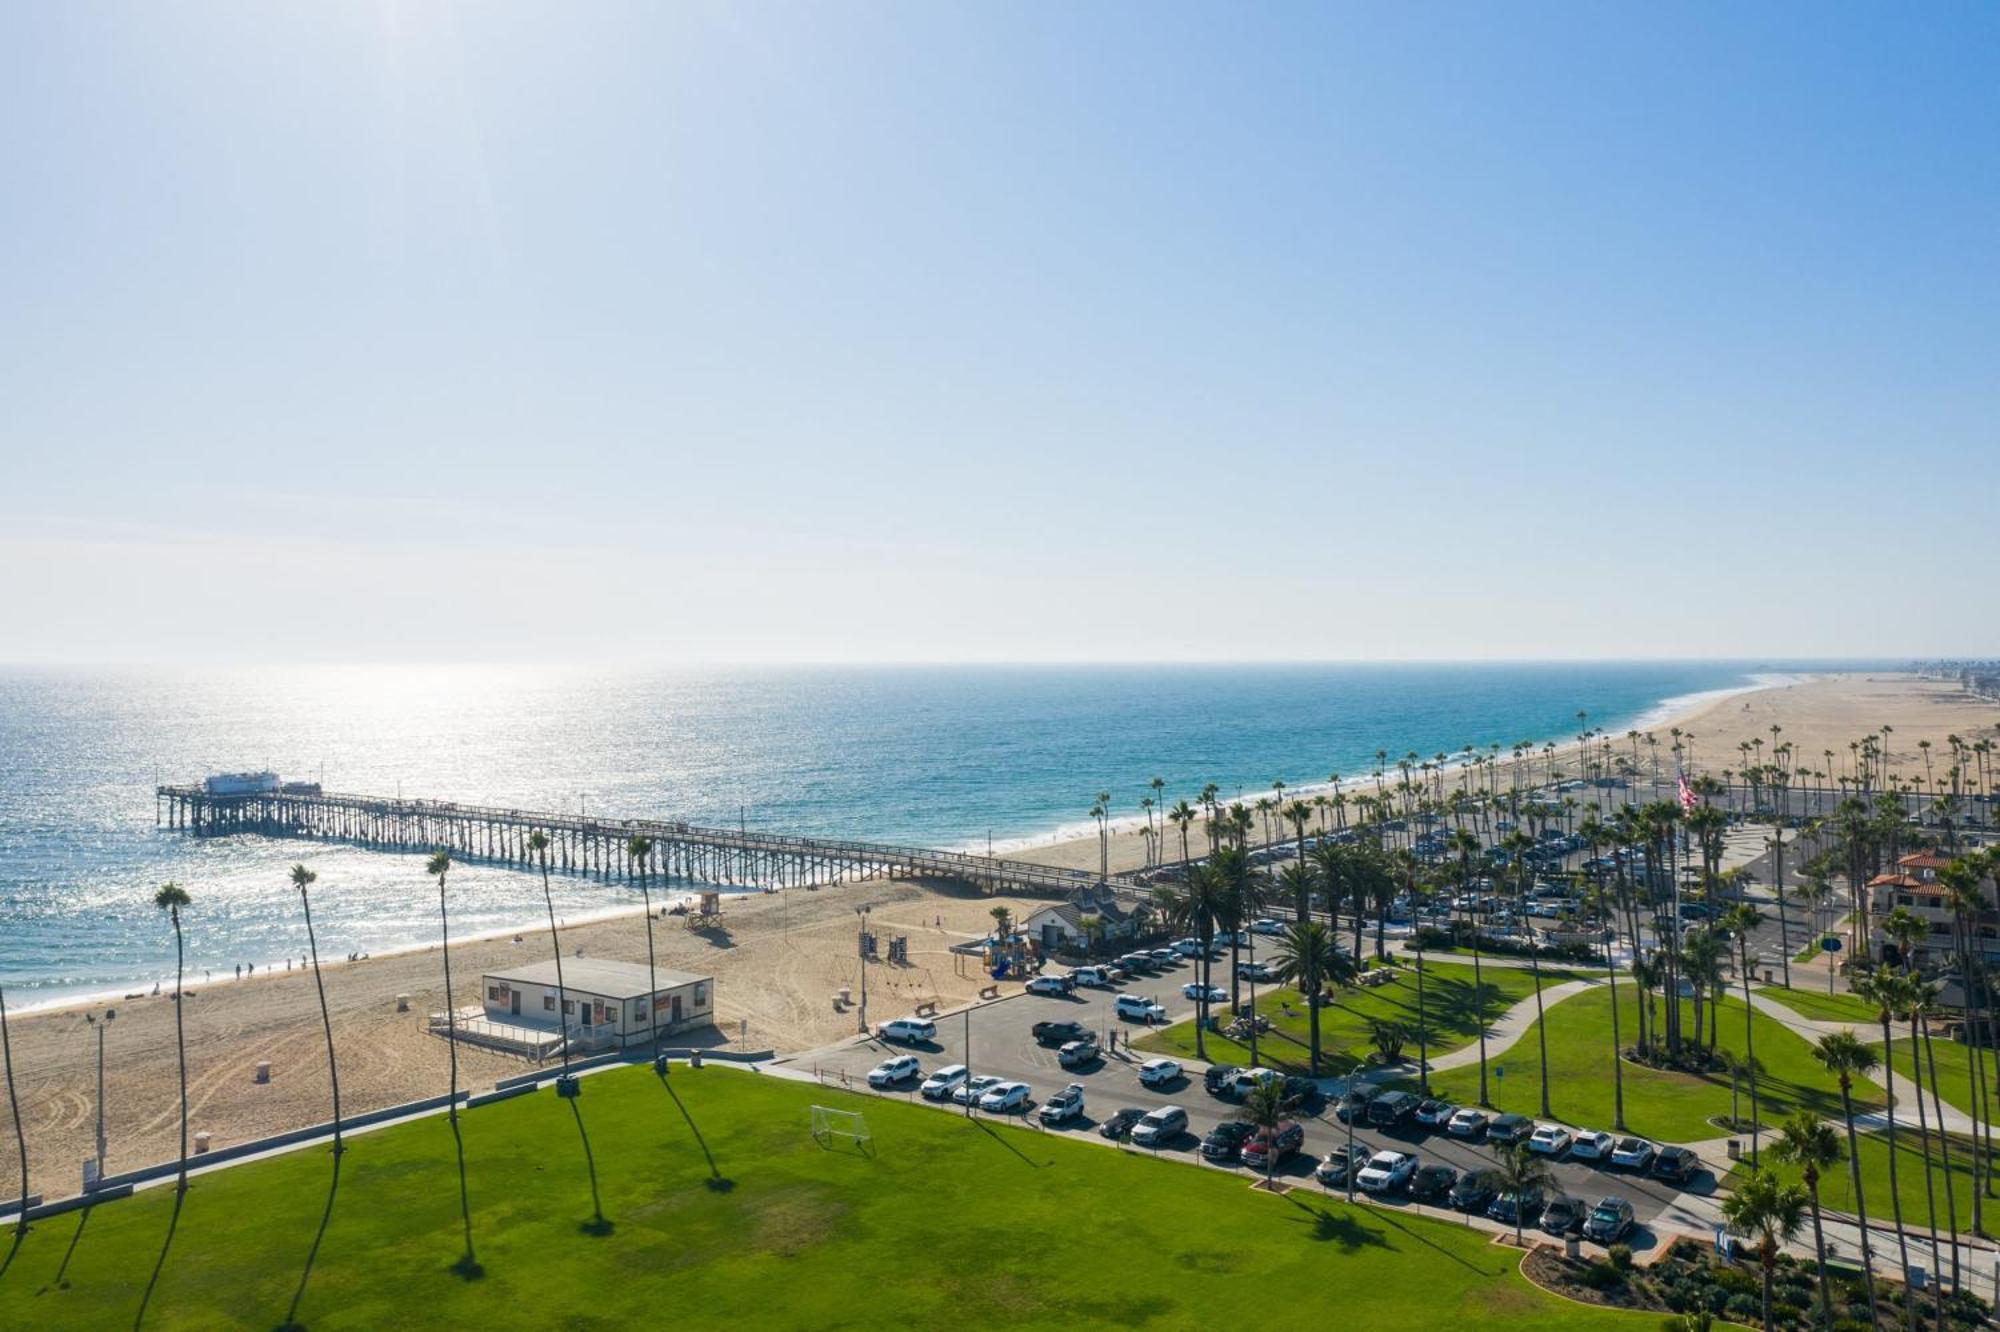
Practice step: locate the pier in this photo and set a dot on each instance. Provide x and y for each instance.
(600, 847)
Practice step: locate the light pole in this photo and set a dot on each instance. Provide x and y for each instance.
(861, 951)
(91, 1018)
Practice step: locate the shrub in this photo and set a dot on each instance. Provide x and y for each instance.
(1743, 1308)
(1603, 1276)
(1621, 1257)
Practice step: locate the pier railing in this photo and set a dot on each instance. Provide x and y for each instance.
(580, 843)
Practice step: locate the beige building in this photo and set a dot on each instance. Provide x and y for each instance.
(1914, 887)
(603, 1004)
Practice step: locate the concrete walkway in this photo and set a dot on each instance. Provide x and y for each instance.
(1512, 1025)
(1903, 1092)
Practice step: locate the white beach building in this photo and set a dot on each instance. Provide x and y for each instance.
(605, 1005)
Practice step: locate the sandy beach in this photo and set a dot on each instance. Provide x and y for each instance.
(777, 963)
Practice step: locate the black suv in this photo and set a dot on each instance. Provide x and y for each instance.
(1355, 1104)
(1509, 1129)
(1432, 1183)
(1475, 1190)
(1675, 1165)
(1225, 1141)
(1523, 1206)
(1564, 1213)
(1058, 1033)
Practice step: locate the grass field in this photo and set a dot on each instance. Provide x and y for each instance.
(1819, 1006)
(1674, 1107)
(944, 1221)
(1836, 1191)
(1451, 1008)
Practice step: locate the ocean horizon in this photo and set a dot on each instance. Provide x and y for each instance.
(947, 756)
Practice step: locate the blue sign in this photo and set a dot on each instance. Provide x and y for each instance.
(1829, 944)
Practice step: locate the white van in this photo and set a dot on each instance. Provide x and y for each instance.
(907, 1029)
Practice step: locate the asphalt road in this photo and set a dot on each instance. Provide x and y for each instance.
(1000, 1044)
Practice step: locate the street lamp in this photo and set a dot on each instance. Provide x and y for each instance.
(861, 951)
(91, 1018)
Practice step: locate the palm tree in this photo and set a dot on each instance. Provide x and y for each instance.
(1921, 997)
(438, 866)
(1888, 992)
(1772, 1213)
(303, 879)
(1520, 1172)
(1740, 920)
(538, 843)
(641, 851)
(1517, 845)
(1309, 956)
(1844, 1055)
(14, 1107)
(1264, 1108)
(1809, 1142)
(170, 899)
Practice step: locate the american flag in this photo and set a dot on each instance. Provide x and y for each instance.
(1688, 798)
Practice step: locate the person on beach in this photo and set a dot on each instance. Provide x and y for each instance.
(239, 971)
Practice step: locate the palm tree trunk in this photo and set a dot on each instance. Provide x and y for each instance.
(326, 1020)
(1944, 1156)
(1423, 1039)
(1617, 1046)
(1479, 1012)
(180, 1047)
(1895, 1191)
(1312, 1025)
(1541, 1027)
(14, 1106)
(1749, 1039)
(450, 1016)
(1819, 1252)
(1860, 1202)
(652, 980)
(555, 942)
(1930, 1186)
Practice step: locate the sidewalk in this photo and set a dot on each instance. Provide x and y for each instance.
(1900, 1088)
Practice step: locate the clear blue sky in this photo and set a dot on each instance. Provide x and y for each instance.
(845, 331)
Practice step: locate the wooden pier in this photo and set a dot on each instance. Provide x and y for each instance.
(580, 844)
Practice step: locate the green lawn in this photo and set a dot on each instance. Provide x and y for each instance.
(944, 1221)
(1674, 1107)
(1451, 1008)
(1954, 1069)
(1836, 1191)
(1819, 1006)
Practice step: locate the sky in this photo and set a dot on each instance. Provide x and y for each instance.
(935, 331)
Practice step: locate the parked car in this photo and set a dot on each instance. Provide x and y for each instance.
(1550, 1140)
(1159, 1127)
(1302, 1094)
(1507, 1130)
(1386, 1172)
(1217, 1078)
(1564, 1213)
(1271, 1148)
(1433, 1113)
(1632, 1154)
(1005, 1097)
(1354, 1104)
(1592, 1145)
(969, 1091)
(1188, 947)
(1610, 1221)
(1055, 985)
(1195, 990)
(907, 1030)
(1119, 1122)
(1255, 971)
(942, 1083)
(1475, 1190)
(1249, 1078)
(1467, 1123)
(1432, 1183)
(1675, 1165)
(1267, 925)
(1078, 1054)
(1159, 1073)
(1138, 963)
(1058, 1033)
(1167, 957)
(1510, 1206)
(1392, 1109)
(1138, 1008)
(1064, 1105)
(1332, 1170)
(1225, 1141)
(1097, 978)
(892, 1071)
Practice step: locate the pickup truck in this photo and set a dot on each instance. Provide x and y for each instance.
(1058, 1033)
(1063, 1106)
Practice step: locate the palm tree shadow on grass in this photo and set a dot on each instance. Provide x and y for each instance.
(717, 1181)
(598, 1225)
(1002, 1139)
(467, 1265)
(82, 1220)
(292, 1323)
(160, 1263)
(1345, 1230)
(20, 1237)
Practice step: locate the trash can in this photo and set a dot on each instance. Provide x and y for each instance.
(1572, 1245)
(1735, 1149)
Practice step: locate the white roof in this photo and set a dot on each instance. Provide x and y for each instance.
(594, 976)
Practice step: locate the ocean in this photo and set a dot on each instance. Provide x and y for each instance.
(942, 756)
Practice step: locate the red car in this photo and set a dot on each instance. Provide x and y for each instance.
(1271, 1148)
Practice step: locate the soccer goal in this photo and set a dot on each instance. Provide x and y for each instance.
(829, 1124)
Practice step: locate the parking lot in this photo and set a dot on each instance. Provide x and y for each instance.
(994, 1039)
